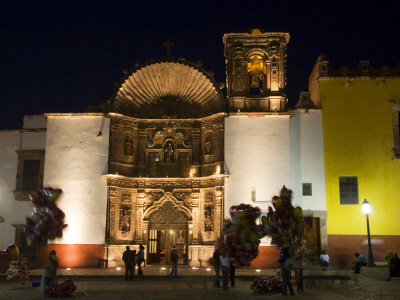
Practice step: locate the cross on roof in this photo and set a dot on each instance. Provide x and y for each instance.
(168, 44)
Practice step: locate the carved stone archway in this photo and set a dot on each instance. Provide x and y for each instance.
(168, 227)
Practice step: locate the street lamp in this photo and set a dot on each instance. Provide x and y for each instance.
(366, 210)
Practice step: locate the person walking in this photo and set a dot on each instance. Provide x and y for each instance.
(286, 268)
(128, 257)
(225, 264)
(49, 272)
(140, 259)
(217, 267)
(174, 261)
(299, 266)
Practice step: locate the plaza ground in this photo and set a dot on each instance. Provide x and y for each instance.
(198, 284)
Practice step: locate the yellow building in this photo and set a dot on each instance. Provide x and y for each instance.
(360, 115)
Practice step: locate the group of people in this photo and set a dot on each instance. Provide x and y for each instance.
(132, 259)
(222, 262)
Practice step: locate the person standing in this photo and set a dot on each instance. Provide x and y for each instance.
(217, 267)
(140, 259)
(298, 267)
(394, 266)
(128, 257)
(174, 261)
(232, 270)
(49, 272)
(225, 264)
(286, 268)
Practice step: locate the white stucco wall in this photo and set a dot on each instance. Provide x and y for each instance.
(14, 211)
(76, 160)
(307, 159)
(257, 153)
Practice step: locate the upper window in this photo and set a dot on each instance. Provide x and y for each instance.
(396, 127)
(307, 189)
(348, 187)
(29, 172)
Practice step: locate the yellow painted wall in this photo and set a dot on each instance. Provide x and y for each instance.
(358, 141)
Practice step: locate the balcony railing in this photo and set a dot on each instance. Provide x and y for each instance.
(29, 183)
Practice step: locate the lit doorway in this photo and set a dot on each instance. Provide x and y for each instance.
(167, 228)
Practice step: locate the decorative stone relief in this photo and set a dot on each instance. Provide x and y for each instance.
(209, 212)
(125, 210)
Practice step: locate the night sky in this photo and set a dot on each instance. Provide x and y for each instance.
(63, 56)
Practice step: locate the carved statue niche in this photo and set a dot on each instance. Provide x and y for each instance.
(128, 146)
(209, 212)
(125, 210)
(169, 151)
(208, 144)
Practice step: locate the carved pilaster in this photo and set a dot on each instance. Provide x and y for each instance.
(196, 145)
(195, 195)
(141, 199)
(112, 217)
(219, 198)
(142, 147)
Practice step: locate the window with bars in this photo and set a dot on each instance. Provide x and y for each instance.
(348, 187)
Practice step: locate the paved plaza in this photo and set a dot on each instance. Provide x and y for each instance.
(198, 284)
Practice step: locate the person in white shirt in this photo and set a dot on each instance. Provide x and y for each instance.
(324, 260)
(225, 263)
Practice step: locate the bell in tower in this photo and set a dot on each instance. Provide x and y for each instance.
(256, 67)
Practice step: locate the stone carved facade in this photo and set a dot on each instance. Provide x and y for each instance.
(166, 161)
(256, 71)
(165, 167)
(195, 203)
(166, 148)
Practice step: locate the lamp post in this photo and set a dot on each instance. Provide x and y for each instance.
(367, 209)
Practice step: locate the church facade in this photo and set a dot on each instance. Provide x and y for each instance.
(168, 155)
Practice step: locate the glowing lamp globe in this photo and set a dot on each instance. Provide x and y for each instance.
(366, 207)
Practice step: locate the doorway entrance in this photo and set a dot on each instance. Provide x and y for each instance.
(167, 228)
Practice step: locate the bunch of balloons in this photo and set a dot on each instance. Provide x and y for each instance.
(11, 253)
(266, 284)
(62, 288)
(242, 234)
(285, 223)
(47, 220)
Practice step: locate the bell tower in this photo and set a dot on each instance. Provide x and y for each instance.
(256, 71)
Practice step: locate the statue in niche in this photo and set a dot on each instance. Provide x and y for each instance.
(169, 152)
(209, 145)
(128, 146)
(209, 212)
(125, 219)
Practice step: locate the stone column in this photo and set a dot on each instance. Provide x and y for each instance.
(196, 146)
(195, 195)
(142, 151)
(141, 197)
(112, 192)
(219, 198)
